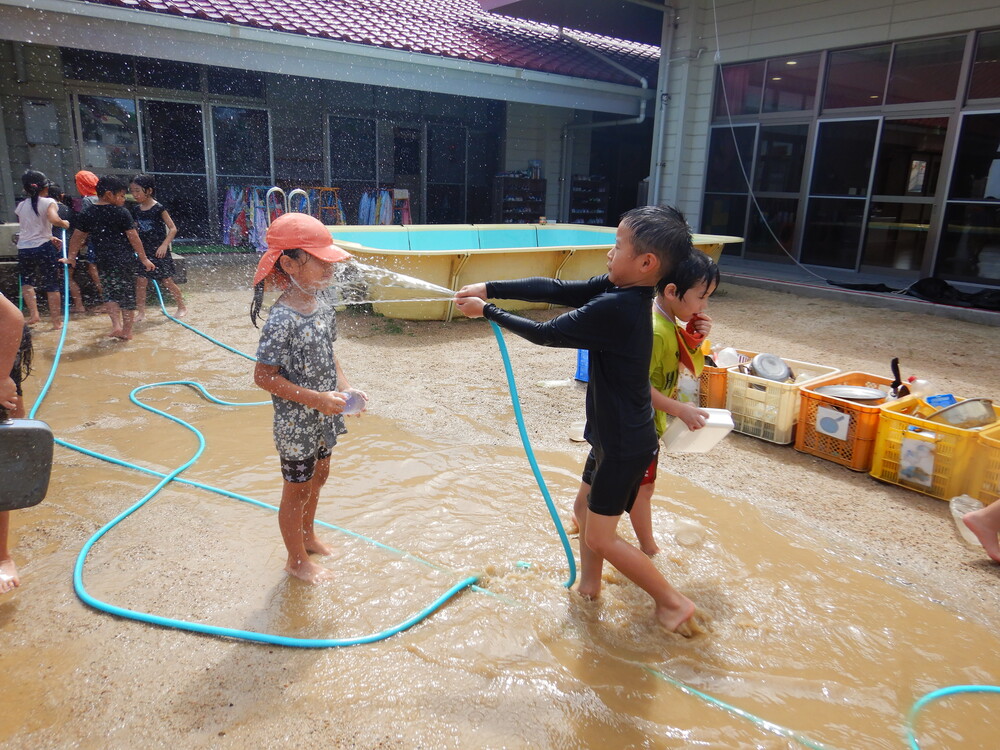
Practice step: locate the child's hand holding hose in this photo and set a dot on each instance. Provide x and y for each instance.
(471, 299)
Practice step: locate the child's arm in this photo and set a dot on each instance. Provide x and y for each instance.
(76, 242)
(53, 216)
(133, 238)
(164, 248)
(689, 414)
(11, 330)
(268, 378)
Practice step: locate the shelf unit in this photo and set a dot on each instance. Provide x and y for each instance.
(518, 200)
(588, 200)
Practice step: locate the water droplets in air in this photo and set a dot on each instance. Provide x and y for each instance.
(356, 283)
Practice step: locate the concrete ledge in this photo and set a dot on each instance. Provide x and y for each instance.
(870, 299)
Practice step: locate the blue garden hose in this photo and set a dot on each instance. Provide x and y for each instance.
(911, 718)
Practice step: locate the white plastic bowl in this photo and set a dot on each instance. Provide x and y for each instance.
(677, 438)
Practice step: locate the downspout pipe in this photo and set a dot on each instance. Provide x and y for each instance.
(656, 161)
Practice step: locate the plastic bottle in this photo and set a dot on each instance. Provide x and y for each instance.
(727, 357)
(959, 507)
(919, 387)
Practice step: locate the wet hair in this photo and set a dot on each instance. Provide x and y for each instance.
(693, 270)
(109, 183)
(258, 291)
(146, 182)
(34, 182)
(56, 191)
(662, 231)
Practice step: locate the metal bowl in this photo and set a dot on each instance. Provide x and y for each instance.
(859, 393)
(770, 367)
(968, 414)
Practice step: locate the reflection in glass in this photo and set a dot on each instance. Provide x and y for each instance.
(730, 152)
(738, 89)
(776, 226)
(242, 143)
(186, 198)
(445, 204)
(352, 149)
(925, 71)
(790, 83)
(985, 83)
(976, 175)
(970, 243)
(844, 157)
(909, 156)
(896, 235)
(833, 231)
(725, 214)
(781, 153)
(173, 137)
(110, 134)
(856, 77)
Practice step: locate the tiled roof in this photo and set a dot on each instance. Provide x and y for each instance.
(448, 28)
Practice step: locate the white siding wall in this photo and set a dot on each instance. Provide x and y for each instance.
(755, 29)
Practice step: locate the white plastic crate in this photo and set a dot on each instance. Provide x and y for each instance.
(767, 409)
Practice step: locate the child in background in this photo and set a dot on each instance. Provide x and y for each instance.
(37, 250)
(297, 366)
(116, 245)
(15, 358)
(677, 357)
(156, 231)
(613, 320)
(86, 184)
(64, 204)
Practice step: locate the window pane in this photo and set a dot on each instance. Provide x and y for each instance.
(844, 157)
(445, 154)
(970, 244)
(897, 235)
(445, 204)
(235, 82)
(790, 83)
(780, 154)
(186, 198)
(856, 77)
(725, 214)
(173, 137)
(242, 145)
(977, 163)
(740, 86)
(986, 68)
(352, 149)
(778, 217)
(925, 71)
(833, 231)
(110, 134)
(730, 153)
(106, 67)
(166, 74)
(909, 156)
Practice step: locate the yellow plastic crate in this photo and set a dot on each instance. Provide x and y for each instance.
(765, 408)
(929, 457)
(986, 467)
(838, 429)
(712, 383)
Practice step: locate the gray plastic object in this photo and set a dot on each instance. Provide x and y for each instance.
(770, 367)
(26, 447)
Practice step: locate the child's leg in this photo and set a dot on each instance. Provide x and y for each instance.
(96, 278)
(175, 290)
(591, 563)
(673, 609)
(31, 303)
(641, 517)
(985, 524)
(115, 313)
(76, 296)
(141, 283)
(55, 309)
(128, 318)
(295, 496)
(311, 542)
(9, 579)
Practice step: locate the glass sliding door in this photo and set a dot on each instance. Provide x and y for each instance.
(777, 181)
(728, 175)
(174, 151)
(446, 168)
(108, 130)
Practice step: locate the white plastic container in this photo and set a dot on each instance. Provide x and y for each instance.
(679, 439)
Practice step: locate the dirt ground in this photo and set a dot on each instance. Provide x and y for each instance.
(910, 534)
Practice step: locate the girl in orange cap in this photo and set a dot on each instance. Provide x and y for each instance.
(297, 366)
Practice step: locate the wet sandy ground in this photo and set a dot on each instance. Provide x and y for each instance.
(836, 600)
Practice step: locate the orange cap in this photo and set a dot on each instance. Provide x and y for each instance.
(86, 183)
(297, 231)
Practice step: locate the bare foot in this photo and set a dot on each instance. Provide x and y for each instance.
(676, 619)
(650, 550)
(308, 571)
(572, 528)
(986, 534)
(32, 321)
(78, 310)
(181, 312)
(120, 334)
(315, 547)
(140, 316)
(57, 326)
(591, 595)
(9, 580)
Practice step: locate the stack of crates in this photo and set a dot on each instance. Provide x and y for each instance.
(838, 429)
(934, 458)
(767, 409)
(712, 383)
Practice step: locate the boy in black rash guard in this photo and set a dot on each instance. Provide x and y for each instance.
(613, 320)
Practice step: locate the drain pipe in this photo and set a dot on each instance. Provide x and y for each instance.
(657, 163)
(568, 130)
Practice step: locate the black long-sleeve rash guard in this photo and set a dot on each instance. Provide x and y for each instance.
(615, 326)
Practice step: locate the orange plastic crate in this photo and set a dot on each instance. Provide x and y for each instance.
(936, 459)
(986, 475)
(712, 384)
(848, 439)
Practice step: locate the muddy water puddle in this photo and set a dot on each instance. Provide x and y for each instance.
(801, 637)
